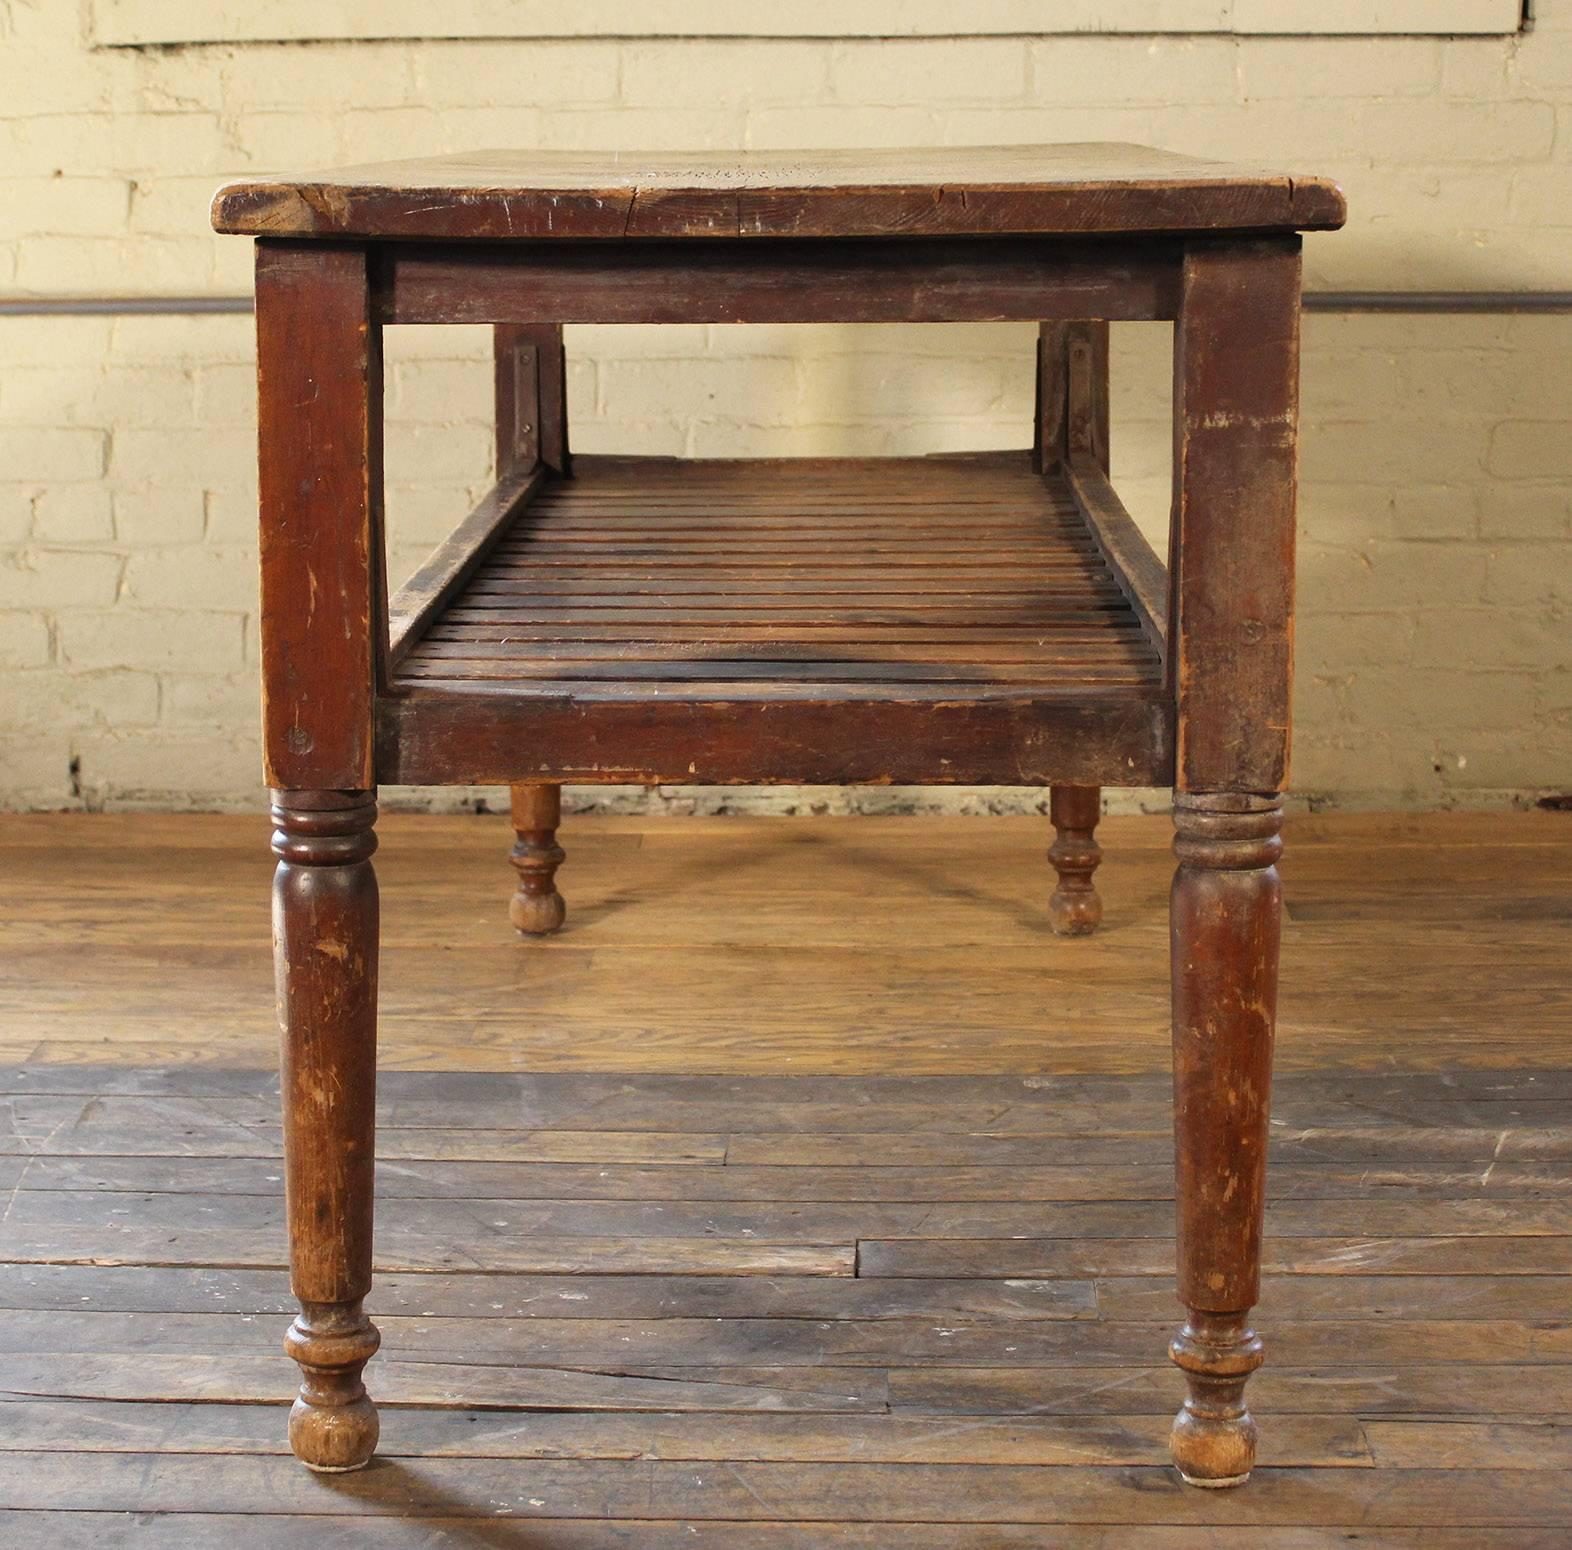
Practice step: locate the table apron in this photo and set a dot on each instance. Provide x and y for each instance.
(494, 739)
(888, 280)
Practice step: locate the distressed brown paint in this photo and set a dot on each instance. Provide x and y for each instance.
(988, 618)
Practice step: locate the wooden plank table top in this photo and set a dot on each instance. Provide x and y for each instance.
(1079, 189)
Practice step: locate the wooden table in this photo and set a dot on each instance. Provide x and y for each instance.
(994, 619)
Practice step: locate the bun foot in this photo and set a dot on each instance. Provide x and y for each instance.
(333, 1425)
(1213, 1437)
(536, 908)
(1074, 914)
(1075, 909)
(334, 1439)
(537, 914)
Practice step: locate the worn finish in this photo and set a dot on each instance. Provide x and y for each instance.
(889, 280)
(631, 1407)
(325, 945)
(957, 191)
(990, 619)
(1226, 909)
(1236, 399)
(1075, 909)
(623, 608)
(536, 908)
(319, 410)
(531, 397)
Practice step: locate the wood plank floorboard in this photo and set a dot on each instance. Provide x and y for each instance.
(805, 1194)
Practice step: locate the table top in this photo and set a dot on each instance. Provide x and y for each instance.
(957, 191)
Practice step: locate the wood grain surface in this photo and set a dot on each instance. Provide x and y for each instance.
(874, 947)
(948, 618)
(811, 1298)
(792, 1353)
(956, 190)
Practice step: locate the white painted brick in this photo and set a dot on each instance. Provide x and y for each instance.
(97, 266)
(162, 513)
(47, 341)
(50, 79)
(280, 141)
(1542, 194)
(73, 514)
(1434, 511)
(158, 145)
(225, 394)
(212, 460)
(321, 78)
(1529, 574)
(1470, 131)
(41, 453)
(1462, 638)
(178, 638)
(16, 513)
(903, 72)
(363, 135)
(1435, 486)
(650, 129)
(1531, 449)
(208, 700)
(164, 766)
(24, 639)
(517, 74)
(1517, 511)
(1134, 71)
(203, 338)
(1542, 62)
(674, 74)
(58, 578)
(1472, 68)
(172, 578)
(1034, 125)
(35, 771)
(1284, 70)
(69, 206)
(820, 127)
(114, 698)
(68, 395)
(760, 391)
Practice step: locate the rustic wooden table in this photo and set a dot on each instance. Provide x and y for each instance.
(993, 619)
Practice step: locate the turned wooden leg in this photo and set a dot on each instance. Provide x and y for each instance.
(325, 956)
(1225, 918)
(536, 907)
(1075, 908)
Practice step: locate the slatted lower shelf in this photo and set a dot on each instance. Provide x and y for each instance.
(955, 582)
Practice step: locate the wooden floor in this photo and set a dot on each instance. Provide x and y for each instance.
(806, 1192)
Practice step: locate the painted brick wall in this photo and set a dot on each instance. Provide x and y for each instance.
(1435, 645)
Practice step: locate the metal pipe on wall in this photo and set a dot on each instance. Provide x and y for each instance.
(1416, 302)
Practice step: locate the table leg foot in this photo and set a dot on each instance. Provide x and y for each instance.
(325, 919)
(1214, 1435)
(536, 908)
(333, 1425)
(1225, 914)
(1075, 909)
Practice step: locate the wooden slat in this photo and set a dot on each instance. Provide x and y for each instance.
(1142, 576)
(423, 597)
(939, 558)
